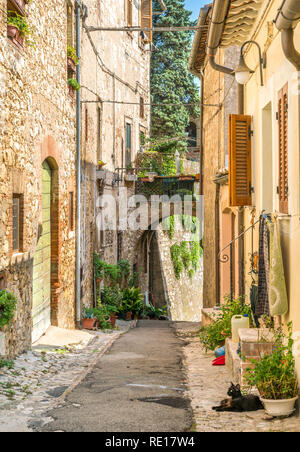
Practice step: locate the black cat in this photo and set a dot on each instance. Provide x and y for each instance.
(239, 403)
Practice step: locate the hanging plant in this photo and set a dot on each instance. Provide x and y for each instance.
(71, 53)
(19, 23)
(72, 82)
(8, 303)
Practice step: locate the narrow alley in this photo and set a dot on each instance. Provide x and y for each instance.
(138, 386)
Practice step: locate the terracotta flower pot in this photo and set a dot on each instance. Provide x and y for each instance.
(113, 320)
(88, 324)
(71, 64)
(128, 316)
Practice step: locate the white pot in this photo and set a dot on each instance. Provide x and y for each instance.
(279, 407)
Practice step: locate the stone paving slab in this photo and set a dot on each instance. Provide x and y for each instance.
(41, 378)
(208, 385)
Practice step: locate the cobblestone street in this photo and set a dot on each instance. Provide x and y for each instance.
(208, 385)
(41, 378)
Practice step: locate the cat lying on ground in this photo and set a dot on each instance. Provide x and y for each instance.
(239, 403)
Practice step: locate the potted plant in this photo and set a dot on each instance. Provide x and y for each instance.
(88, 319)
(274, 376)
(8, 304)
(132, 302)
(18, 29)
(73, 86)
(102, 315)
(72, 58)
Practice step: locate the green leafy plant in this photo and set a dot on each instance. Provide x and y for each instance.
(6, 363)
(8, 304)
(74, 84)
(132, 301)
(71, 52)
(177, 260)
(274, 375)
(153, 312)
(185, 254)
(102, 313)
(88, 313)
(16, 20)
(111, 296)
(213, 335)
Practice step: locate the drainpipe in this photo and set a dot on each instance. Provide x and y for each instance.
(287, 18)
(78, 175)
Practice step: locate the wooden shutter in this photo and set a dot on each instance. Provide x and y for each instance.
(129, 13)
(240, 186)
(283, 149)
(146, 19)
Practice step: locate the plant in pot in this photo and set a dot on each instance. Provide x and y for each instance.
(72, 59)
(8, 304)
(274, 376)
(132, 302)
(73, 85)
(102, 314)
(88, 318)
(18, 29)
(112, 298)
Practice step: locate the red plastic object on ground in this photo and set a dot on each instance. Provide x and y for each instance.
(219, 361)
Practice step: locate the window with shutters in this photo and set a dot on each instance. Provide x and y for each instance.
(128, 143)
(146, 19)
(240, 185)
(283, 187)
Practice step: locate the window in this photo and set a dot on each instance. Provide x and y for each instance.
(17, 223)
(128, 143)
(129, 13)
(192, 135)
(71, 211)
(240, 186)
(283, 188)
(146, 19)
(142, 108)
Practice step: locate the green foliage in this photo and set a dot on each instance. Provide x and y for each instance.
(196, 253)
(153, 312)
(102, 313)
(74, 84)
(16, 20)
(6, 363)
(71, 52)
(111, 296)
(185, 254)
(8, 304)
(169, 166)
(171, 82)
(274, 375)
(213, 335)
(177, 260)
(132, 301)
(87, 313)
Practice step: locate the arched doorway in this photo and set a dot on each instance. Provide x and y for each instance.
(41, 308)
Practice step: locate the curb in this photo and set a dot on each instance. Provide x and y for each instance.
(83, 375)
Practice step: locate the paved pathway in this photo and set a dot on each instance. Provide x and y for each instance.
(138, 386)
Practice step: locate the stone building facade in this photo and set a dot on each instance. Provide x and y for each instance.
(221, 222)
(37, 128)
(38, 154)
(115, 68)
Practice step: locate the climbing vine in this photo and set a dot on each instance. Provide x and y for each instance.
(186, 256)
(177, 260)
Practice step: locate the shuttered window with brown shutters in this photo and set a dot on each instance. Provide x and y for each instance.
(240, 185)
(129, 13)
(283, 187)
(146, 19)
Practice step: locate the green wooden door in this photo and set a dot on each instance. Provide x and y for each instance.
(42, 264)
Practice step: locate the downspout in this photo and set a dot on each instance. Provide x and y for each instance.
(78, 173)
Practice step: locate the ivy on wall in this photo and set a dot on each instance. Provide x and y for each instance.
(186, 256)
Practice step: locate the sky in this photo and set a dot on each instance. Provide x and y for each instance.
(195, 5)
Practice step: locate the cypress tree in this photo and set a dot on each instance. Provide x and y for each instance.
(171, 81)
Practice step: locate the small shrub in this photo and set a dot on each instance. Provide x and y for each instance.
(8, 304)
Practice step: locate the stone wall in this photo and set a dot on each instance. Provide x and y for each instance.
(37, 123)
(185, 296)
(117, 78)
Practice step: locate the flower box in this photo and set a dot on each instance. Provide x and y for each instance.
(15, 36)
(17, 5)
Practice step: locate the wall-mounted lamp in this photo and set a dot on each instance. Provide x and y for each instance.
(243, 72)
